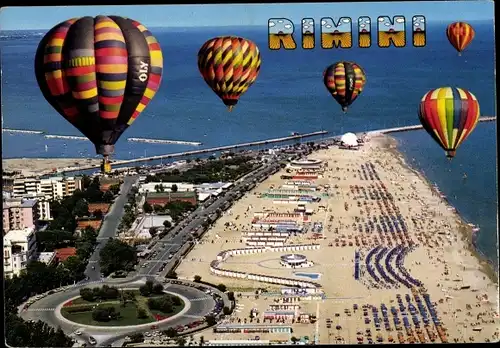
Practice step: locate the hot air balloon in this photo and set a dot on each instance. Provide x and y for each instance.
(344, 81)
(99, 74)
(229, 65)
(460, 35)
(449, 115)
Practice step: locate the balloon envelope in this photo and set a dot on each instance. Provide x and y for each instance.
(99, 74)
(460, 35)
(449, 115)
(229, 65)
(345, 82)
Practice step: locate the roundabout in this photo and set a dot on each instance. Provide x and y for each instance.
(197, 304)
(79, 312)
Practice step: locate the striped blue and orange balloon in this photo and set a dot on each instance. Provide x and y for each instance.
(345, 82)
(449, 115)
(99, 74)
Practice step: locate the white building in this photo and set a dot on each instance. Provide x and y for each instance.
(53, 188)
(46, 257)
(19, 247)
(167, 186)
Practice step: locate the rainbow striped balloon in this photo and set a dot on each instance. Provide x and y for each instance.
(449, 115)
(99, 74)
(460, 35)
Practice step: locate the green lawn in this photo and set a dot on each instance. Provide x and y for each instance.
(128, 314)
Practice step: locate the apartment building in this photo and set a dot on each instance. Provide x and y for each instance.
(19, 214)
(54, 188)
(19, 247)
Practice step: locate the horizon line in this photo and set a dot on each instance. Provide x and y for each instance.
(234, 25)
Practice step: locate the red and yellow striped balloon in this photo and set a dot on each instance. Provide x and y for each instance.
(99, 74)
(229, 65)
(460, 35)
(345, 82)
(449, 115)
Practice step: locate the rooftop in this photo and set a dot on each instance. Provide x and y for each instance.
(17, 235)
(63, 253)
(182, 194)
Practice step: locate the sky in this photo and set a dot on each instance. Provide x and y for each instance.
(19, 18)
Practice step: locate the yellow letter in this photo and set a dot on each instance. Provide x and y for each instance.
(364, 32)
(308, 33)
(336, 34)
(418, 29)
(391, 31)
(281, 32)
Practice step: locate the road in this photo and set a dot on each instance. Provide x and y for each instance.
(170, 243)
(44, 309)
(110, 226)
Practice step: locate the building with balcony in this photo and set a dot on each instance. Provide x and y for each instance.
(19, 247)
(19, 214)
(54, 188)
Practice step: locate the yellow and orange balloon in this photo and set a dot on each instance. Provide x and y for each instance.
(460, 35)
(229, 65)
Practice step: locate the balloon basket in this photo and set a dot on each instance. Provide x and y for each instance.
(106, 167)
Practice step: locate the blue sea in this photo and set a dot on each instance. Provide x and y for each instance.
(288, 96)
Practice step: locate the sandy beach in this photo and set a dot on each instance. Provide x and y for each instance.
(40, 166)
(358, 190)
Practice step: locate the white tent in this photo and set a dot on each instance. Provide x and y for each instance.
(349, 139)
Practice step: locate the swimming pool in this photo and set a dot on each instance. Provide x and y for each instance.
(313, 276)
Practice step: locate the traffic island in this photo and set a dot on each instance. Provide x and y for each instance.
(130, 309)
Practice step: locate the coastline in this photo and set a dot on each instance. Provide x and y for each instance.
(43, 166)
(465, 229)
(461, 284)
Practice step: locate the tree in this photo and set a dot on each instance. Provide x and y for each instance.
(144, 291)
(141, 313)
(230, 296)
(222, 287)
(108, 197)
(294, 339)
(197, 278)
(105, 314)
(171, 274)
(116, 256)
(170, 332)
(147, 208)
(136, 338)
(174, 188)
(98, 214)
(210, 320)
(167, 224)
(153, 231)
(115, 189)
(180, 341)
(157, 289)
(81, 208)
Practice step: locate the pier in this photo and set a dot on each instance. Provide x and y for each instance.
(22, 131)
(164, 141)
(71, 137)
(418, 126)
(201, 151)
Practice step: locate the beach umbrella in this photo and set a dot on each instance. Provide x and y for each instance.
(229, 65)
(449, 115)
(99, 74)
(460, 35)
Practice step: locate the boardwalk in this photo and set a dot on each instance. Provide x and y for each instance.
(250, 144)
